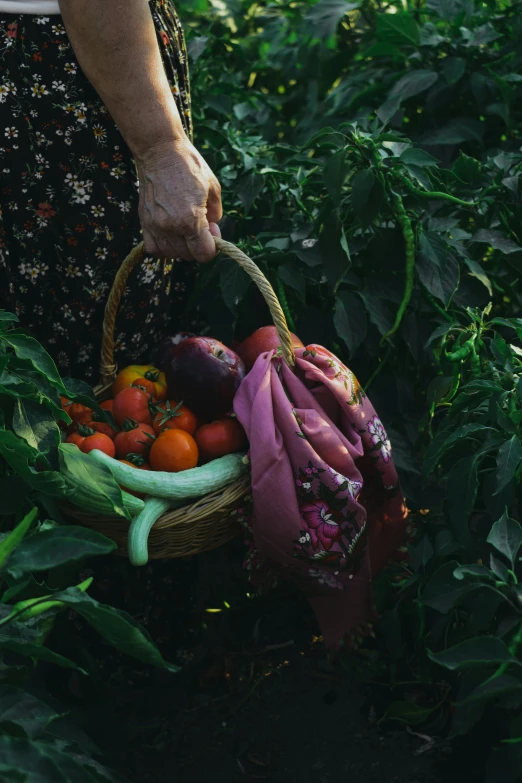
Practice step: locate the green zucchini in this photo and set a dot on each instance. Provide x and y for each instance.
(193, 483)
(94, 503)
(140, 528)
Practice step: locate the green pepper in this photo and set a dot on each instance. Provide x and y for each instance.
(33, 607)
(461, 353)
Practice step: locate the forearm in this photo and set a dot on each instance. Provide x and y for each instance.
(116, 46)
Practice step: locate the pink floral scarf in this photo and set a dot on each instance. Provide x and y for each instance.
(328, 511)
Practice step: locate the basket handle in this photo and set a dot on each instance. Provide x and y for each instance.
(108, 367)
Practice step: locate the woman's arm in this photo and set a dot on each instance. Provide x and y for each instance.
(180, 201)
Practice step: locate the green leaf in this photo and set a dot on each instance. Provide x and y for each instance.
(496, 240)
(492, 689)
(234, 283)
(325, 16)
(334, 174)
(400, 29)
(21, 457)
(437, 267)
(499, 569)
(455, 132)
(461, 493)
(292, 276)
(350, 320)
(413, 83)
(94, 477)
(43, 762)
(468, 170)
(443, 441)
(480, 651)
(18, 753)
(30, 350)
(249, 187)
(7, 318)
(54, 547)
(118, 628)
(454, 69)
(477, 271)
(34, 651)
(417, 157)
(443, 591)
(408, 712)
(506, 537)
(35, 424)
(13, 539)
(378, 310)
(508, 459)
(367, 196)
(422, 554)
(335, 258)
(19, 707)
(504, 764)
(474, 569)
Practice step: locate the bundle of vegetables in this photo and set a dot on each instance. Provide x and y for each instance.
(160, 452)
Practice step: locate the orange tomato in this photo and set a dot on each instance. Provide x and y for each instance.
(221, 437)
(173, 416)
(173, 450)
(146, 385)
(128, 375)
(143, 466)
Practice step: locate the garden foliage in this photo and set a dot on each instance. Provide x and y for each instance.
(370, 160)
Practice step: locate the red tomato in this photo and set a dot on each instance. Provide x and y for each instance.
(102, 426)
(79, 413)
(133, 404)
(171, 416)
(106, 405)
(136, 440)
(224, 436)
(98, 441)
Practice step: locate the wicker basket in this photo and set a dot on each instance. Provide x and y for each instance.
(212, 520)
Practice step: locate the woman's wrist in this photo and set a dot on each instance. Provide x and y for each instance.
(163, 151)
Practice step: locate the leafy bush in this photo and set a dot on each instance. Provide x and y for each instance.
(34, 555)
(370, 162)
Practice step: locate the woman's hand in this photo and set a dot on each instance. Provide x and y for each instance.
(180, 202)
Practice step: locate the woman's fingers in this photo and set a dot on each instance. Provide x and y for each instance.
(201, 244)
(214, 206)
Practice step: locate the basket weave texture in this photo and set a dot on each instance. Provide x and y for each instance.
(212, 520)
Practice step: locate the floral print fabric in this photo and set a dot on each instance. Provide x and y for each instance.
(69, 199)
(328, 512)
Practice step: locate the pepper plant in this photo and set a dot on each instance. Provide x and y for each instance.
(38, 559)
(370, 160)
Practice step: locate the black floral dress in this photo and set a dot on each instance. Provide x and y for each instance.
(69, 198)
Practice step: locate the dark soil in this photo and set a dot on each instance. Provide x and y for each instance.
(257, 698)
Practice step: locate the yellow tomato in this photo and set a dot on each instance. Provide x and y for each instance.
(130, 374)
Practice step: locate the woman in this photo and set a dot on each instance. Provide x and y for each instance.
(92, 92)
